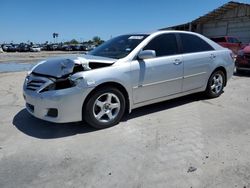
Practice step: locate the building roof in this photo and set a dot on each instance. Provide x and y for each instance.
(219, 11)
(213, 14)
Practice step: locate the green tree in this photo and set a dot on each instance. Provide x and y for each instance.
(97, 40)
(73, 41)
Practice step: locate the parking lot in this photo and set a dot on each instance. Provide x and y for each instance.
(186, 142)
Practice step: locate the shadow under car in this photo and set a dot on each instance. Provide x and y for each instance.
(37, 128)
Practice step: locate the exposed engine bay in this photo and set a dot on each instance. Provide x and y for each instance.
(59, 72)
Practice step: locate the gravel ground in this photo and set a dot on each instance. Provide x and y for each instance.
(186, 142)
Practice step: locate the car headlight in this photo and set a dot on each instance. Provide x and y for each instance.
(76, 81)
(63, 83)
(27, 77)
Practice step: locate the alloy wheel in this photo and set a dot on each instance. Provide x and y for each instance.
(106, 107)
(217, 83)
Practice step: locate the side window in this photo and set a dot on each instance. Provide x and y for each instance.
(230, 40)
(192, 43)
(236, 40)
(163, 45)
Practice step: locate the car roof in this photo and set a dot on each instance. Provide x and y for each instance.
(161, 31)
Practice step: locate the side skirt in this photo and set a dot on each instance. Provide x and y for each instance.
(157, 100)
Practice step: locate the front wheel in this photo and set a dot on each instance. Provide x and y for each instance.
(104, 108)
(215, 84)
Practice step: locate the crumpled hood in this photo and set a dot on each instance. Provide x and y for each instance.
(64, 66)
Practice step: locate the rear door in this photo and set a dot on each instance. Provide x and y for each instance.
(197, 58)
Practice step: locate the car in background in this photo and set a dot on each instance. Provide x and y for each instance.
(77, 47)
(12, 48)
(9, 47)
(54, 47)
(242, 62)
(229, 42)
(125, 73)
(5, 47)
(1, 50)
(67, 48)
(81, 47)
(91, 47)
(50, 47)
(23, 47)
(35, 48)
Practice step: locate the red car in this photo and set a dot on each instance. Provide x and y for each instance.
(242, 62)
(232, 43)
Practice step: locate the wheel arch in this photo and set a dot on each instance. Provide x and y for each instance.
(116, 85)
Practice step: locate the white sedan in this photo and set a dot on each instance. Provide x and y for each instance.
(35, 49)
(125, 73)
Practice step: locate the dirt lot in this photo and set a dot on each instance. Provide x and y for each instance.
(186, 142)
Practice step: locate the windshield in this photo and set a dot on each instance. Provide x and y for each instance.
(118, 47)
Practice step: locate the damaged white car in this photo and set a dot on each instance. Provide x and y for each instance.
(124, 73)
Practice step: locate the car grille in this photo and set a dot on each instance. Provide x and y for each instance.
(37, 83)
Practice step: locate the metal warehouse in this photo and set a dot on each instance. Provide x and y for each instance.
(231, 19)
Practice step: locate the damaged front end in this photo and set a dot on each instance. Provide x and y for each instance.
(57, 74)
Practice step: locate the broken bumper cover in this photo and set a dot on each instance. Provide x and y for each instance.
(59, 106)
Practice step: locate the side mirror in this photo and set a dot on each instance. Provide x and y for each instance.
(146, 54)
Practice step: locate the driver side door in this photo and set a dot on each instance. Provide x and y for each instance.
(159, 76)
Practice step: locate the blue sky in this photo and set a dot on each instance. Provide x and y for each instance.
(36, 20)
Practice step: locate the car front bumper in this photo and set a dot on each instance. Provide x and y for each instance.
(59, 106)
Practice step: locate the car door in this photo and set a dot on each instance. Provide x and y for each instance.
(160, 76)
(198, 56)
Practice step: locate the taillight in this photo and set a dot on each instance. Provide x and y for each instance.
(232, 55)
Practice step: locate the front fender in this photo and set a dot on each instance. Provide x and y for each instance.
(112, 74)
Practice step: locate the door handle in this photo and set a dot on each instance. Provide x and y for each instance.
(212, 56)
(177, 62)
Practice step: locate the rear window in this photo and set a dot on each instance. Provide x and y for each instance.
(193, 43)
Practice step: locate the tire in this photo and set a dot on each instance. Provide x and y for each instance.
(104, 108)
(215, 84)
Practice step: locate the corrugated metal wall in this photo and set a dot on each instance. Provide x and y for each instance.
(213, 29)
(240, 29)
(235, 22)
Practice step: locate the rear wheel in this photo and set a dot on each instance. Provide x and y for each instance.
(104, 108)
(215, 84)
